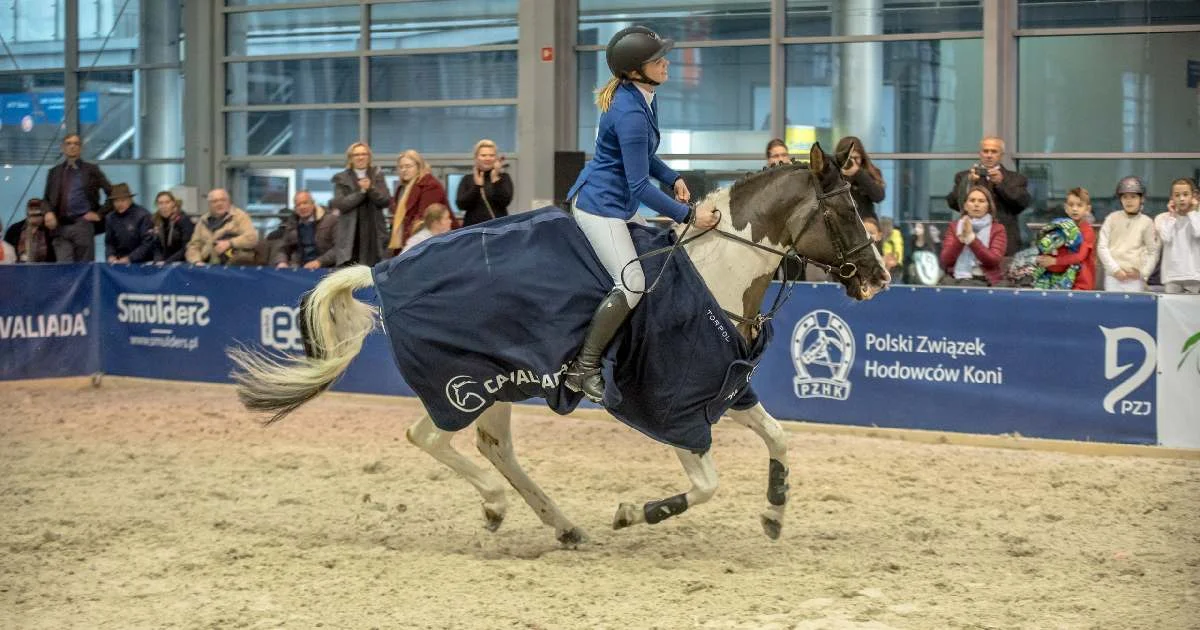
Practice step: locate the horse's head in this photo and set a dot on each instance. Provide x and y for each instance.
(811, 210)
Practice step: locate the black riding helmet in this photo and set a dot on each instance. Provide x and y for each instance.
(633, 47)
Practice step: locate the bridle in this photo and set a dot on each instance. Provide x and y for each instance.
(842, 252)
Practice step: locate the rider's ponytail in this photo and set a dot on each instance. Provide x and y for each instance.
(604, 96)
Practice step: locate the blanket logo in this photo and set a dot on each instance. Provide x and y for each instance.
(823, 353)
(458, 392)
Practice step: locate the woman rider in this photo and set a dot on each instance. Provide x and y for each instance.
(616, 181)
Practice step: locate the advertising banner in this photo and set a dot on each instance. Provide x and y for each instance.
(1064, 365)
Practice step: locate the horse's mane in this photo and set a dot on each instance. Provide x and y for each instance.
(770, 170)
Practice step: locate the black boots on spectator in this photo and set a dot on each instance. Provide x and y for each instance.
(584, 373)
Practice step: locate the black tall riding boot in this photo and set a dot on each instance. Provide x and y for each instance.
(584, 373)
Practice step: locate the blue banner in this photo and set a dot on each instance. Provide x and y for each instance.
(48, 321)
(1053, 364)
(176, 322)
(46, 108)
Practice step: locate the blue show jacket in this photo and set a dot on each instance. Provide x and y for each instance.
(617, 179)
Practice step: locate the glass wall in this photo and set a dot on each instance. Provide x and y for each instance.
(308, 81)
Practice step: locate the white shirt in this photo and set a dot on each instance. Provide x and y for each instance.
(646, 94)
(419, 236)
(1180, 236)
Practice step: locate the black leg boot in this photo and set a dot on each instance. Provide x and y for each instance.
(584, 373)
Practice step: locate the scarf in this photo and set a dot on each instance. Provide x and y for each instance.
(967, 265)
(397, 239)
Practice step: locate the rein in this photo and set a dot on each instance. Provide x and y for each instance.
(844, 268)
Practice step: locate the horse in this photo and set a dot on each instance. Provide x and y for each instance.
(807, 208)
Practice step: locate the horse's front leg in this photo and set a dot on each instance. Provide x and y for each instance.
(769, 430)
(701, 471)
(426, 436)
(493, 432)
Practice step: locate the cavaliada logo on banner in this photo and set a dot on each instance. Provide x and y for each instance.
(823, 353)
(279, 329)
(44, 325)
(161, 315)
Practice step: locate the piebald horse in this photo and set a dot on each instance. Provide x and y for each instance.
(805, 208)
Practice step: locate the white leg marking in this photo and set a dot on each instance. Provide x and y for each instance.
(426, 436)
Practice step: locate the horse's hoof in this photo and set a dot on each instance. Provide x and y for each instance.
(772, 528)
(572, 537)
(494, 519)
(627, 514)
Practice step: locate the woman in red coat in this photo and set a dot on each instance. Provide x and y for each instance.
(417, 190)
(973, 250)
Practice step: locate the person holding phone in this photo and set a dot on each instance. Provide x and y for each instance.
(866, 181)
(485, 195)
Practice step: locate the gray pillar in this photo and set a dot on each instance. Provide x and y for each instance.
(161, 128)
(1000, 71)
(566, 66)
(198, 72)
(859, 89)
(71, 78)
(536, 127)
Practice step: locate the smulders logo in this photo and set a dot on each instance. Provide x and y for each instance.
(160, 309)
(279, 329)
(823, 353)
(43, 325)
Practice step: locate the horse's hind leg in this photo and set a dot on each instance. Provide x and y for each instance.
(493, 433)
(767, 428)
(426, 436)
(701, 471)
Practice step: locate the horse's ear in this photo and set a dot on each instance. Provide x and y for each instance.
(816, 158)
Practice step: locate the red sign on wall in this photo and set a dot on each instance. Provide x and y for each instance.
(547, 53)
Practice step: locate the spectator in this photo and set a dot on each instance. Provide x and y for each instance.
(128, 230)
(1127, 244)
(437, 221)
(74, 213)
(8, 254)
(777, 152)
(872, 226)
(973, 249)
(223, 236)
(892, 247)
(1079, 210)
(1179, 230)
(923, 265)
(486, 194)
(29, 236)
(308, 236)
(418, 188)
(866, 182)
(172, 229)
(1010, 189)
(359, 198)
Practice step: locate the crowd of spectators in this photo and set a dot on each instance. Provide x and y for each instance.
(366, 223)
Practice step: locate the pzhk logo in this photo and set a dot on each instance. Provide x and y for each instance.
(823, 353)
(458, 392)
(1113, 369)
(280, 330)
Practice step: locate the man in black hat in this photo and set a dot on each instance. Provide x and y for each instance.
(128, 230)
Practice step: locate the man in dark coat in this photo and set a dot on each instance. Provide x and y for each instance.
(308, 236)
(1010, 189)
(128, 230)
(73, 204)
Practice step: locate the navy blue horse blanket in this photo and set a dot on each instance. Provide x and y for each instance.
(496, 311)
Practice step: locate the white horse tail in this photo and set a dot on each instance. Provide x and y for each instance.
(332, 325)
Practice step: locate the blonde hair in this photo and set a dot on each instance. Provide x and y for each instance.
(422, 165)
(434, 212)
(483, 144)
(350, 149)
(605, 95)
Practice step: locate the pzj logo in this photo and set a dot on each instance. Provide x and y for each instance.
(458, 392)
(280, 330)
(823, 353)
(1113, 369)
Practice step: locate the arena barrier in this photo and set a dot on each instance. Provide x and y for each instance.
(1081, 366)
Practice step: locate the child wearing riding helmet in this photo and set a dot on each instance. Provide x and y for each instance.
(616, 182)
(1128, 246)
